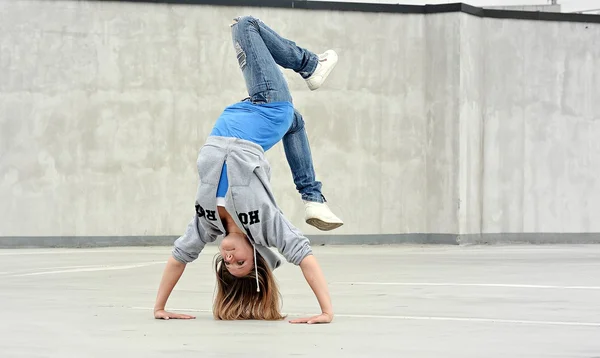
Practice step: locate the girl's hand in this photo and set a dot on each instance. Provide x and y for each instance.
(162, 314)
(322, 318)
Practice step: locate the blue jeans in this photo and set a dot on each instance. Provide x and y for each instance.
(259, 50)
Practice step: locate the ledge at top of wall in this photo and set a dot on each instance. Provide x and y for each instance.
(388, 8)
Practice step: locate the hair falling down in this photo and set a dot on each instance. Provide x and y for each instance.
(237, 298)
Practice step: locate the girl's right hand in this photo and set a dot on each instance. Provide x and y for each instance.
(162, 314)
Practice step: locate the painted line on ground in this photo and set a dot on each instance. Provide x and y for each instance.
(47, 268)
(91, 269)
(53, 268)
(500, 285)
(100, 250)
(419, 318)
(482, 320)
(67, 267)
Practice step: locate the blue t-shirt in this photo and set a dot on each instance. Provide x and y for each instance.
(263, 124)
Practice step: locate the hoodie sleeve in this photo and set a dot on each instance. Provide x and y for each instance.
(288, 240)
(188, 246)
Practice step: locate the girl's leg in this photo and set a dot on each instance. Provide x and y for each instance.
(312, 67)
(299, 157)
(264, 80)
(259, 50)
(286, 53)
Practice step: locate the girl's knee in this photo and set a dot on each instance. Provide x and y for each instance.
(297, 122)
(245, 20)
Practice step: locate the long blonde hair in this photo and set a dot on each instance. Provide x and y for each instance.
(237, 297)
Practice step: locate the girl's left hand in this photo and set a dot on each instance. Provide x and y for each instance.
(322, 318)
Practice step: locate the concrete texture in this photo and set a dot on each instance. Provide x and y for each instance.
(390, 301)
(459, 125)
(541, 124)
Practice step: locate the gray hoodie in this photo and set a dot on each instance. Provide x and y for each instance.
(249, 201)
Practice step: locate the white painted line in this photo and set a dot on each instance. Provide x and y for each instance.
(21, 252)
(466, 285)
(420, 318)
(92, 269)
(52, 268)
(56, 252)
(483, 320)
(174, 309)
(64, 267)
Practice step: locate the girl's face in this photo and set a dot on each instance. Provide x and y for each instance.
(237, 254)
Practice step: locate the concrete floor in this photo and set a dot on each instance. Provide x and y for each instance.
(402, 301)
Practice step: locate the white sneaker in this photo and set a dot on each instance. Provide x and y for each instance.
(320, 216)
(327, 62)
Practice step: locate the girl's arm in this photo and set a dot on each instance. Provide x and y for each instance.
(173, 271)
(295, 247)
(316, 280)
(185, 250)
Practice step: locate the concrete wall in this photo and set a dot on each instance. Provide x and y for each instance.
(529, 121)
(541, 125)
(431, 124)
(105, 106)
(471, 98)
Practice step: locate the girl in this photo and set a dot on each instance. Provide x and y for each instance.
(234, 196)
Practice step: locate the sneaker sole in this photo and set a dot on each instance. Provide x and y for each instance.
(323, 225)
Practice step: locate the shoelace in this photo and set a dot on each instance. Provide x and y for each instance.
(256, 269)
